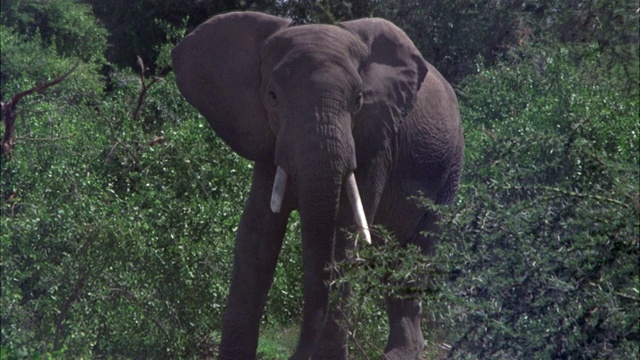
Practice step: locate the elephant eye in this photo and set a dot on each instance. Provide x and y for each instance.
(273, 99)
(357, 105)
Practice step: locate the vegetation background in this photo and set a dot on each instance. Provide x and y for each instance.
(119, 204)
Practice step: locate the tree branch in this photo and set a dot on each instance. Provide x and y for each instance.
(144, 87)
(8, 110)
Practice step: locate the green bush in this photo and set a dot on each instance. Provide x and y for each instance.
(117, 234)
(28, 62)
(117, 231)
(542, 252)
(119, 211)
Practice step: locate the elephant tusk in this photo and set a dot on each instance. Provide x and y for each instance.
(356, 204)
(279, 186)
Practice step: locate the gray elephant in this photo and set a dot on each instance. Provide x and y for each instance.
(344, 123)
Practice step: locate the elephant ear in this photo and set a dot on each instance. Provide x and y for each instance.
(217, 69)
(392, 73)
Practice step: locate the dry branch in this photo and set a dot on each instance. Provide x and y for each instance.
(144, 87)
(8, 111)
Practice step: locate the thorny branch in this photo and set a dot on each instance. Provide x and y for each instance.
(8, 111)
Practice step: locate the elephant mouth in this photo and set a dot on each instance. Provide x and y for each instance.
(350, 186)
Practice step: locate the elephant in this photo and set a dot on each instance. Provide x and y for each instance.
(344, 124)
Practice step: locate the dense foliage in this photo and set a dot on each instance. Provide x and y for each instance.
(119, 204)
(543, 252)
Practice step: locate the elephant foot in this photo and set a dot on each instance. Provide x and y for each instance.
(410, 348)
(332, 345)
(405, 337)
(324, 354)
(399, 354)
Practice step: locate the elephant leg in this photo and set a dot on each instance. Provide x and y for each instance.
(405, 335)
(406, 340)
(258, 244)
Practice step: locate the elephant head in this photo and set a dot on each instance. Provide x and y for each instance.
(291, 95)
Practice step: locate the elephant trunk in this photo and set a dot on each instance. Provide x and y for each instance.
(318, 163)
(319, 150)
(318, 194)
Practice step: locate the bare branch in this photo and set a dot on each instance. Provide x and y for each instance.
(144, 87)
(8, 110)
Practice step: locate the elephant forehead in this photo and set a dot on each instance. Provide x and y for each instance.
(319, 42)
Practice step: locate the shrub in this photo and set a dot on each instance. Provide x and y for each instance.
(542, 251)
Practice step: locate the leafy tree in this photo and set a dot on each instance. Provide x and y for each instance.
(108, 229)
(453, 34)
(69, 25)
(138, 28)
(86, 271)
